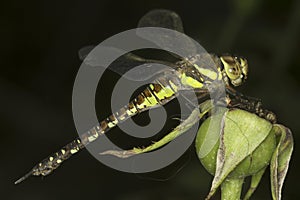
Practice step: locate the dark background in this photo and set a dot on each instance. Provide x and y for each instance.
(39, 44)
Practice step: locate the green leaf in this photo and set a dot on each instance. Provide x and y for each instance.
(207, 140)
(241, 134)
(280, 159)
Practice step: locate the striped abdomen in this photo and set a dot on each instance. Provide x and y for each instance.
(160, 92)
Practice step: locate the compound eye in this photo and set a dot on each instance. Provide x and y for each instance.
(233, 70)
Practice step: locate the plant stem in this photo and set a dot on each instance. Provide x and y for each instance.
(231, 189)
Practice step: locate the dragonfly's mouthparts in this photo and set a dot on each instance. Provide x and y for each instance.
(24, 177)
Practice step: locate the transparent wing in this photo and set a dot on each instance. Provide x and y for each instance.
(170, 20)
(162, 18)
(155, 18)
(84, 51)
(141, 68)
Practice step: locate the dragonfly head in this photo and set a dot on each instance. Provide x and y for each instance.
(235, 69)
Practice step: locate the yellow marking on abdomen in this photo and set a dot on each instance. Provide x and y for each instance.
(63, 151)
(162, 92)
(174, 87)
(131, 109)
(150, 97)
(74, 151)
(112, 121)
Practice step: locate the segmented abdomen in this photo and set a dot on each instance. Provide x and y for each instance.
(160, 92)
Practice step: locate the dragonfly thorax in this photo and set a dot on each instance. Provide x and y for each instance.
(235, 69)
(189, 75)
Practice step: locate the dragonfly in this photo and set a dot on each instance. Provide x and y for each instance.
(185, 75)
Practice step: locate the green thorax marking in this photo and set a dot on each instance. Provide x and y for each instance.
(231, 69)
(196, 75)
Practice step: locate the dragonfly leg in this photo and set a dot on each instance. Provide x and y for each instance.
(231, 91)
(251, 105)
